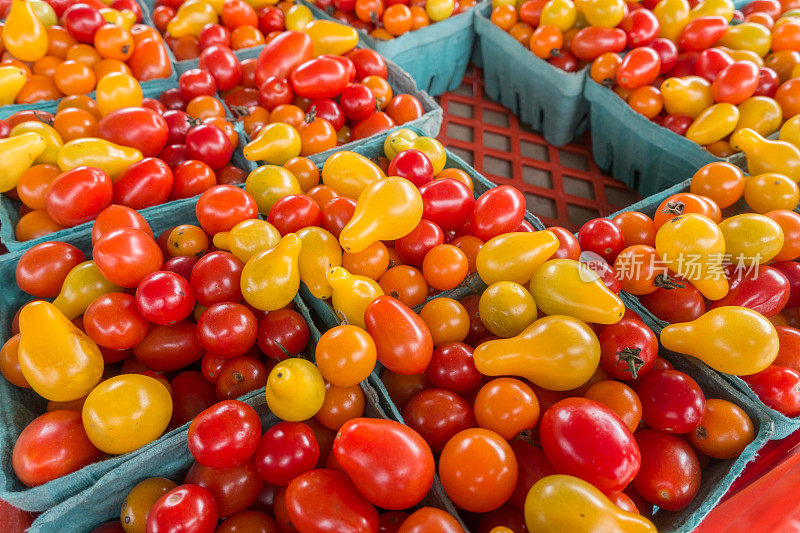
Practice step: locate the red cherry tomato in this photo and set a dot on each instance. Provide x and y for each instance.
(736, 82)
(223, 65)
(671, 401)
(78, 195)
(294, 212)
(41, 270)
(778, 387)
(586, 439)
(137, 127)
(437, 415)
(639, 67)
(113, 321)
(499, 210)
(51, 446)
(144, 184)
(452, 368)
(126, 256)
(326, 501)
(403, 340)
(187, 508)
(234, 489)
(227, 329)
(164, 297)
(224, 435)
(395, 480)
(670, 473)
(285, 451)
(282, 332)
(628, 349)
(168, 348)
(216, 278)
(446, 202)
(702, 33)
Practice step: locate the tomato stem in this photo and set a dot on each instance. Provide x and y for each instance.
(630, 356)
(663, 281)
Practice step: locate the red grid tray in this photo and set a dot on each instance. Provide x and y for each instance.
(562, 185)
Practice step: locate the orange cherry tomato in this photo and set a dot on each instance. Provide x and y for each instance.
(46, 66)
(340, 405)
(637, 228)
(205, 106)
(85, 54)
(684, 203)
(724, 432)
(59, 41)
(304, 170)
(37, 89)
(470, 245)
(372, 262)
(504, 16)
(445, 266)
(246, 37)
(405, 283)
(620, 398)
(33, 185)
(447, 320)
(80, 101)
(110, 66)
(288, 114)
(722, 182)
(380, 88)
(75, 123)
(647, 101)
(74, 77)
(35, 224)
(506, 406)
(114, 42)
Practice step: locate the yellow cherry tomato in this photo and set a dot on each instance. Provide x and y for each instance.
(295, 390)
(790, 131)
(506, 308)
(111, 158)
(126, 412)
(690, 95)
(247, 238)
(270, 279)
(19, 153)
(560, 503)
(606, 13)
(59, 361)
(434, 151)
(349, 173)
(743, 55)
(438, 10)
(24, 36)
(672, 16)
(398, 141)
(44, 12)
(319, 254)
(769, 192)
(747, 36)
(81, 287)
(275, 144)
(761, 114)
(12, 80)
(693, 246)
(387, 209)
(567, 287)
(351, 295)
(269, 183)
(515, 256)
(331, 37)
(766, 155)
(297, 17)
(559, 13)
(733, 340)
(117, 90)
(52, 139)
(191, 17)
(713, 124)
(124, 19)
(751, 239)
(708, 8)
(555, 352)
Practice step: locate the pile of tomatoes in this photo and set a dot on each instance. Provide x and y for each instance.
(118, 148)
(700, 69)
(155, 331)
(191, 26)
(387, 19)
(53, 48)
(746, 260)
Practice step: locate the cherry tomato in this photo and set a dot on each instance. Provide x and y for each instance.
(227, 329)
(170, 347)
(285, 451)
(216, 278)
(41, 270)
(78, 195)
(315, 500)
(778, 387)
(437, 415)
(164, 297)
(478, 470)
(586, 439)
(188, 507)
(395, 480)
(113, 321)
(603, 237)
(223, 65)
(670, 473)
(282, 333)
(671, 401)
(498, 210)
(224, 435)
(628, 349)
(127, 256)
(144, 184)
(51, 446)
(234, 489)
(639, 67)
(453, 368)
(191, 394)
(137, 127)
(241, 375)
